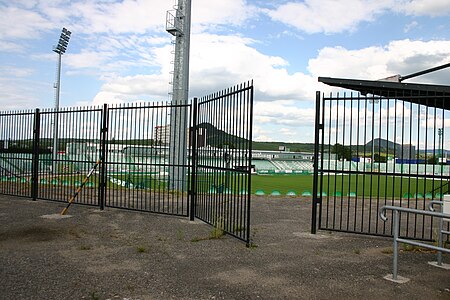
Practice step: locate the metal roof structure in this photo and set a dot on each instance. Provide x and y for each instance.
(424, 94)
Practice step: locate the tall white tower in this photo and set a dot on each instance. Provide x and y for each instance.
(178, 23)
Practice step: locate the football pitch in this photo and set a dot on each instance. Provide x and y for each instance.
(367, 185)
(284, 184)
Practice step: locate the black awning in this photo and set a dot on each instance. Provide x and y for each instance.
(425, 94)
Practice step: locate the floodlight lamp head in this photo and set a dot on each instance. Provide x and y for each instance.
(63, 42)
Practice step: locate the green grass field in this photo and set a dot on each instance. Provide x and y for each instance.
(358, 185)
(383, 186)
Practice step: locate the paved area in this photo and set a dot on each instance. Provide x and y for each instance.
(118, 254)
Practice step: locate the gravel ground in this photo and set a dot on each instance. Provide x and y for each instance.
(118, 254)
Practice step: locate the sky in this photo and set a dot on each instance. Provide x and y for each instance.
(119, 51)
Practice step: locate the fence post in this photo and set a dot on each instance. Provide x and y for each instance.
(316, 199)
(103, 169)
(35, 157)
(193, 137)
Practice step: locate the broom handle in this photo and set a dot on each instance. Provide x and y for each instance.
(80, 187)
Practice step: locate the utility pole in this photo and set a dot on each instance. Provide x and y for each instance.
(178, 23)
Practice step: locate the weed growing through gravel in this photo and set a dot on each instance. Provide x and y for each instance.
(357, 251)
(387, 251)
(180, 234)
(217, 233)
(94, 296)
(252, 245)
(84, 247)
(141, 249)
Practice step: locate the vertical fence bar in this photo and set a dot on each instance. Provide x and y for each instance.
(249, 151)
(103, 169)
(35, 158)
(193, 137)
(316, 199)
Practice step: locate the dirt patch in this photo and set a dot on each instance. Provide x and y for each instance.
(118, 254)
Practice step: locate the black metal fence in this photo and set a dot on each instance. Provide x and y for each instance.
(47, 154)
(223, 161)
(373, 151)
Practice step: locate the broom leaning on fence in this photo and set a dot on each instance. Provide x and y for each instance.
(72, 199)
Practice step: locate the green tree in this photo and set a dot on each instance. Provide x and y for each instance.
(342, 151)
(433, 160)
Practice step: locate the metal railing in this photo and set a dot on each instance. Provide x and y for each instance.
(372, 151)
(396, 229)
(142, 168)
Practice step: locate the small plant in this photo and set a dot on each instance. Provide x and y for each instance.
(85, 247)
(197, 239)
(217, 233)
(239, 228)
(387, 251)
(94, 296)
(357, 251)
(407, 247)
(141, 249)
(252, 245)
(161, 239)
(180, 234)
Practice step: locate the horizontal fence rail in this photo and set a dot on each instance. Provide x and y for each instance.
(373, 151)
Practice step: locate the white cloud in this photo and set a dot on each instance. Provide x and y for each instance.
(137, 16)
(398, 57)
(207, 14)
(21, 23)
(283, 120)
(20, 93)
(220, 61)
(423, 7)
(12, 71)
(410, 26)
(331, 16)
(328, 16)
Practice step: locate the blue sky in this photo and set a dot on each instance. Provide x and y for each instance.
(120, 52)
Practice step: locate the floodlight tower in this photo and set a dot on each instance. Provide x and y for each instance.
(60, 49)
(178, 23)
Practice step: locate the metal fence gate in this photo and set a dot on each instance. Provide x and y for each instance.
(47, 154)
(223, 141)
(380, 148)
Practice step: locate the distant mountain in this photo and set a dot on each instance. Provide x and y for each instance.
(382, 144)
(218, 138)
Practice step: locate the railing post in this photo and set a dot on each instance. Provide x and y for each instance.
(395, 254)
(315, 198)
(103, 169)
(440, 243)
(35, 159)
(193, 137)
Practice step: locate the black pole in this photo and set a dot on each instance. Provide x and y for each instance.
(316, 198)
(103, 170)
(250, 94)
(424, 72)
(194, 133)
(35, 159)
